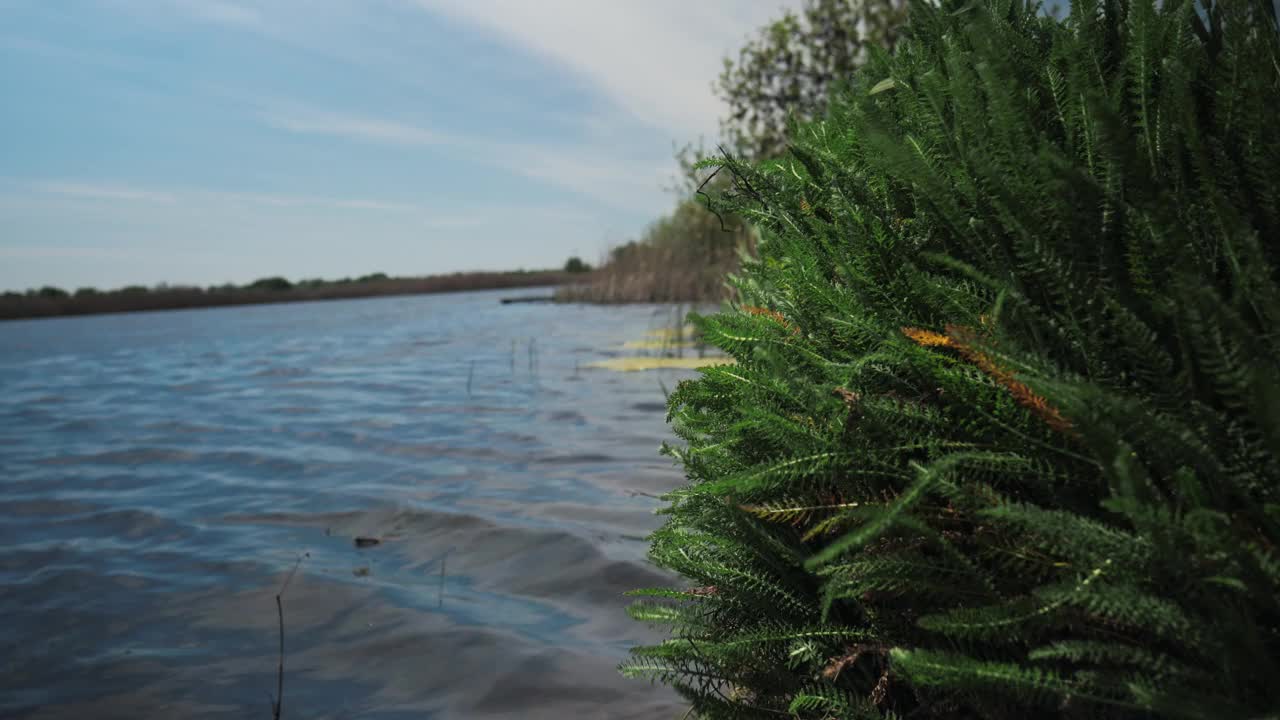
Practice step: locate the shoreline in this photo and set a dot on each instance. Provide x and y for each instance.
(27, 307)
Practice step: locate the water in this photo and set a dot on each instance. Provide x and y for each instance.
(162, 473)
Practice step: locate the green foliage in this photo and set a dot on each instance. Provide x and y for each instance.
(576, 265)
(275, 284)
(1002, 439)
(791, 67)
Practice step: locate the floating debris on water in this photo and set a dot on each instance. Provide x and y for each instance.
(363, 542)
(657, 344)
(361, 571)
(632, 364)
(668, 332)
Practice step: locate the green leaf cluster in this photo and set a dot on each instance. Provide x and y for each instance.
(1002, 439)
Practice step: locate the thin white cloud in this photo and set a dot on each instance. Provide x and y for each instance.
(20, 194)
(223, 12)
(373, 205)
(96, 58)
(45, 252)
(92, 190)
(354, 127)
(595, 170)
(655, 59)
(162, 14)
(101, 191)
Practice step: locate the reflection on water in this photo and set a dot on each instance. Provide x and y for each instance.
(162, 473)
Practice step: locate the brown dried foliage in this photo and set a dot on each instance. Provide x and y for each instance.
(964, 340)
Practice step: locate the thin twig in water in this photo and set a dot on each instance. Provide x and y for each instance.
(470, 374)
(443, 559)
(642, 493)
(278, 703)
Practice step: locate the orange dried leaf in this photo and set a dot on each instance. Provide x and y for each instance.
(963, 339)
(927, 338)
(772, 315)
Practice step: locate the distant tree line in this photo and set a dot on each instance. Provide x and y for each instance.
(50, 301)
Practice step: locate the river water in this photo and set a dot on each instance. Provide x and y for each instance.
(161, 474)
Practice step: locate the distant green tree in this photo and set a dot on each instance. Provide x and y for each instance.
(576, 265)
(372, 277)
(793, 65)
(134, 290)
(48, 291)
(275, 284)
(86, 292)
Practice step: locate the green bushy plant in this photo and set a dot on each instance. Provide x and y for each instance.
(1002, 439)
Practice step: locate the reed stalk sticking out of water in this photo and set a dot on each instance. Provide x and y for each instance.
(277, 703)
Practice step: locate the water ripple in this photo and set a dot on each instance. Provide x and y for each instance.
(164, 472)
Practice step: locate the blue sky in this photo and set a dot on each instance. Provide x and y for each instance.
(210, 141)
